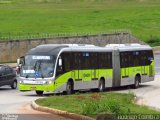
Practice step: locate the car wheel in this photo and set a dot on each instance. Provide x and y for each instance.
(14, 84)
(39, 93)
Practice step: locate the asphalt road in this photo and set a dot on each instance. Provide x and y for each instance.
(15, 102)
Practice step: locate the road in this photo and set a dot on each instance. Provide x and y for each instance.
(15, 102)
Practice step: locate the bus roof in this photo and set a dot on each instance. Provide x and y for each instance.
(129, 47)
(54, 49)
(47, 49)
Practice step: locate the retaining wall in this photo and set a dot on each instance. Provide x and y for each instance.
(11, 50)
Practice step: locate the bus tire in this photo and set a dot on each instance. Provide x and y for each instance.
(137, 82)
(69, 87)
(39, 92)
(14, 84)
(101, 86)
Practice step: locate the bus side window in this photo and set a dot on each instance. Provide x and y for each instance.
(75, 61)
(122, 60)
(86, 59)
(67, 62)
(110, 59)
(93, 60)
(143, 58)
(149, 57)
(130, 59)
(136, 57)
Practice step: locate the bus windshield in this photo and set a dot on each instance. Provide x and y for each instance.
(38, 66)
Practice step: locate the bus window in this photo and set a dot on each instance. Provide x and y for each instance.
(136, 57)
(149, 55)
(87, 61)
(109, 60)
(66, 61)
(93, 60)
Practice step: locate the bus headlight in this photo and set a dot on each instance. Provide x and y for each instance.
(21, 81)
(48, 82)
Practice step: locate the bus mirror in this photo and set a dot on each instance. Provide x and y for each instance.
(18, 62)
(60, 62)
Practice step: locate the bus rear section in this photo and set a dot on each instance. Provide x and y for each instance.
(132, 65)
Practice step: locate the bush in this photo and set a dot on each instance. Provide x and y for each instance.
(89, 107)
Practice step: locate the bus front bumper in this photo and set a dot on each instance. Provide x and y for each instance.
(29, 87)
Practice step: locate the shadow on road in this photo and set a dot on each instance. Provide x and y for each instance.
(4, 89)
(124, 88)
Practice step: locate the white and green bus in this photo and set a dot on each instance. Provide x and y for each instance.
(69, 67)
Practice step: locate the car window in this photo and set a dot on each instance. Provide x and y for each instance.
(2, 70)
(8, 70)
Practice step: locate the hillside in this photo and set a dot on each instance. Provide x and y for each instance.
(40, 17)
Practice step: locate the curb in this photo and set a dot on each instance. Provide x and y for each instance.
(60, 112)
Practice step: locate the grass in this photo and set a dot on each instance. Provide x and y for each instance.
(40, 17)
(92, 104)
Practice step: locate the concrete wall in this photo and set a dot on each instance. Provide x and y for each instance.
(11, 50)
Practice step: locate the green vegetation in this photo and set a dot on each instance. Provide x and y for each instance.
(92, 104)
(41, 17)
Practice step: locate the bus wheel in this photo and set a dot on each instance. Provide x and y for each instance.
(137, 82)
(69, 88)
(39, 93)
(101, 86)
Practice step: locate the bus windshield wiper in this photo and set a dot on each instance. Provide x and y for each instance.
(27, 75)
(42, 76)
(37, 67)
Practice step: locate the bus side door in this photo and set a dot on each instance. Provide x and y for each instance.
(94, 66)
(124, 64)
(86, 66)
(78, 66)
(143, 62)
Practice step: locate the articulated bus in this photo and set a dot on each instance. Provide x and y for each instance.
(69, 67)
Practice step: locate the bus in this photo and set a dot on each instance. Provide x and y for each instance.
(69, 67)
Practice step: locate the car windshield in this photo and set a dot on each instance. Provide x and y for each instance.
(38, 66)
